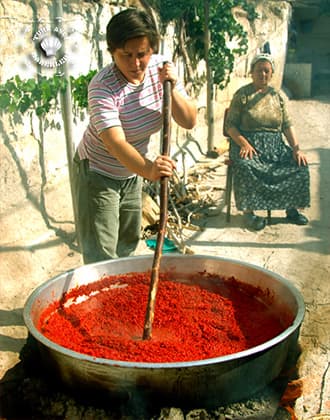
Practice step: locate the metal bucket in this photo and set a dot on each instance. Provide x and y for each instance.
(208, 382)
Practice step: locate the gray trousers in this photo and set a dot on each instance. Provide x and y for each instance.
(109, 213)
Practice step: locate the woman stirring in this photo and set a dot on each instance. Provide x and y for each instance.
(125, 108)
(268, 173)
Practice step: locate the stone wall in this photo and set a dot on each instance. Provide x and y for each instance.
(34, 157)
(309, 49)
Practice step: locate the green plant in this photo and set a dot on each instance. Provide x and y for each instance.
(41, 95)
(34, 95)
(79, 89)
(207, 30)
(189, 19)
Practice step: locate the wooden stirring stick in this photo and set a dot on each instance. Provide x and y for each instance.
(166, 140)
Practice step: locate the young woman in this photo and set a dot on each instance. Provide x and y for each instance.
(125, 108)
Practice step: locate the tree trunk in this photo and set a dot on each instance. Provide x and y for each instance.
(209, 81)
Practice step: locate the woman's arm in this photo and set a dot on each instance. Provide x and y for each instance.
(232, 124)
(116, 144)
(298, 155)
(184, 110)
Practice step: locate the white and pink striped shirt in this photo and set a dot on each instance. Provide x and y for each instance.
(113, 101)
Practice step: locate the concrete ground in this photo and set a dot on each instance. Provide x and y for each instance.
(35, 247)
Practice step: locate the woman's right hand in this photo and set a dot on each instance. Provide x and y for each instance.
(247, 151)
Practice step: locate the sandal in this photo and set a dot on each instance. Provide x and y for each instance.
(254, 222)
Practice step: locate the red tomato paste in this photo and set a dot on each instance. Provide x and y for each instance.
(105, 319)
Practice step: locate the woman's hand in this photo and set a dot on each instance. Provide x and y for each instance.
(247, 151)
(161, 166)
(300, 157)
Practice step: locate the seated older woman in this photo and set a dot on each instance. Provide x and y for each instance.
(270, 172)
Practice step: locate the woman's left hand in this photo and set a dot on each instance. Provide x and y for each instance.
(168, 72)
(300, 157)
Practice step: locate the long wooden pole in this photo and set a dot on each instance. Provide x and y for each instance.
(166, 142)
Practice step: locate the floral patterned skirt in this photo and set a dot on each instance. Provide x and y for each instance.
(272, 180)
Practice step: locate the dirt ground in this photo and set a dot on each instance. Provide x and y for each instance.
(36, 246)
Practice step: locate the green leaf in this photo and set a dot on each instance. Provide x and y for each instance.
(4, 100)
(40, 110)
(24, 104)
(28, 86)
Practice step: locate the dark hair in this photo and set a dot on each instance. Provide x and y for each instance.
(131, 23)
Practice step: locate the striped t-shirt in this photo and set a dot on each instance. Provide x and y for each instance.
(113, 101)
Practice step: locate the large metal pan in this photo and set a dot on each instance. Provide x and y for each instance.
(208, 382)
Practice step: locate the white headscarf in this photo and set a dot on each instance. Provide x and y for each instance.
(263, 56)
